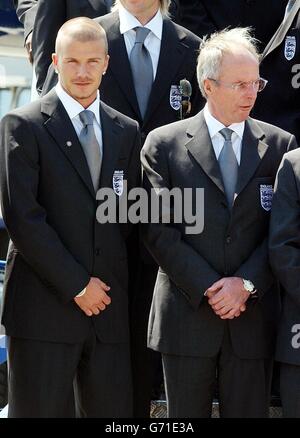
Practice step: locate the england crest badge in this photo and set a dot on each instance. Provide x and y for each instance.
(290, 47)
(118, 182)
(175, 97)
(266, 196)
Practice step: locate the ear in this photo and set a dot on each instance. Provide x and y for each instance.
(55, 62)
(207, 85)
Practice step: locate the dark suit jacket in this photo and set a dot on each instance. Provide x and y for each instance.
(178, 58)
(50, 16)
(206, 16)
(49, 208)
(279, 103)
(285, 254)
(181, 321)
(26, 12)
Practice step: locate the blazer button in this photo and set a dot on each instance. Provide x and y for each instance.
(228, 239)
(97, 251)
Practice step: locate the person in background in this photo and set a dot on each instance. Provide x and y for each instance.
(280, 65)
(204, 17)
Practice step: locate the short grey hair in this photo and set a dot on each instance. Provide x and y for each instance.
(164, 6)
(213, 48)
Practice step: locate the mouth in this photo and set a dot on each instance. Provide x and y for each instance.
(246, 107)
(82, 84)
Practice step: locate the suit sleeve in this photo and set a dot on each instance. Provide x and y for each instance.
(284, 241)
(257, 267)
(185, 267)
(50, 16)
(26, 219)
(26, 12)
(195, 17)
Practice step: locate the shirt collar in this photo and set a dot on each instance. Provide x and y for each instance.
(73, 107)
(129, 22)
(214, 126)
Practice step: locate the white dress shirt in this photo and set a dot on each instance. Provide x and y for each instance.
(153, 40)
(217, 139)
(73, 109)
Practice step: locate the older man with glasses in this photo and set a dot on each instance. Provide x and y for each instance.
(216, 302)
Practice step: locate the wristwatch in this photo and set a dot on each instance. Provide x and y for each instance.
(249, 286)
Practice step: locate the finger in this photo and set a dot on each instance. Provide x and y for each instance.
(243, 308)
(218, 306)
(95, 310)
(217, 298)
(229, 315)
(104, 286)
(224, 311)
(88, 312)
(106, 299)
(214, 287)
(101, 306)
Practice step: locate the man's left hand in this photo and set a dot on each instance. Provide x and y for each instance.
(227, 297)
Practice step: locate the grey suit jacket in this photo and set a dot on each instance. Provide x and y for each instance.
(285, 255)
(49, 207)
(231, 244)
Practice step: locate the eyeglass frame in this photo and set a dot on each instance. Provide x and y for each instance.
(237, 86)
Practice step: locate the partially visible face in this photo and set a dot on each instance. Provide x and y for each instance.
(226, 104)
(137, 7)
(80, 67)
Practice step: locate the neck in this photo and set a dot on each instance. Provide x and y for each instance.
(146, 16)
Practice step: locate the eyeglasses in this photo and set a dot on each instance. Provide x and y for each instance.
(242, 87)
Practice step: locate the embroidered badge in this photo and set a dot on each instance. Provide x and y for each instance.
(290, 47)
(118, 178)
(266, 195)
(175, 97)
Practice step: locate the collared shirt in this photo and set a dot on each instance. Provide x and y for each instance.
(217, 139)
(74, 108)
(153, 40)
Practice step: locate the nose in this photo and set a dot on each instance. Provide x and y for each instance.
(82, 70)
(251, 90)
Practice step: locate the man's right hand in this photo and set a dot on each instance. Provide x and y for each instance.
(95, 298)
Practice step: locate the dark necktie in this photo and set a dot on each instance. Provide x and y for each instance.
(90, 146)
(228, 166)
(142, 69)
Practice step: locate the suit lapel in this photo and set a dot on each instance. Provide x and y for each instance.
(253, 150)
(119, 64)
(61, 129)
(200, 146)
(280, 34)
(111, 135)
(172, 54)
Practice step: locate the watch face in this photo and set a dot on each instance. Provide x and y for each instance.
(248, 285)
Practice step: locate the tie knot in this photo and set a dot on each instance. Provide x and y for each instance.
(86, 117)
(141, 34)
(226, 133)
